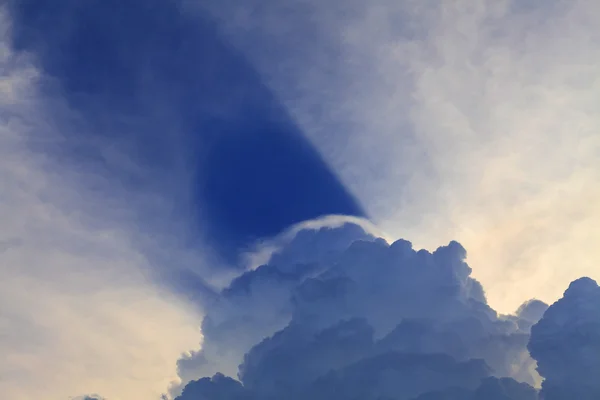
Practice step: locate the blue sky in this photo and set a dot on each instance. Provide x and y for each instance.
(154, 153)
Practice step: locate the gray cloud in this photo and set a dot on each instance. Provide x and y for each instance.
(377, 320)
(259, 303)
(566, 344)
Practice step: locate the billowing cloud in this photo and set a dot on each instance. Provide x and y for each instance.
(108, 113)
(566, 344)
(258, 302)
(371, 319)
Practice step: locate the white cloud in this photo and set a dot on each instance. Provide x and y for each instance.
(474, 121)
(78, 311)
(264, 249)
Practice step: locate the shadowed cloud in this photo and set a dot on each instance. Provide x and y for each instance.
(185, 111)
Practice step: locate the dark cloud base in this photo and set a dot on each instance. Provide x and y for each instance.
(373, 321)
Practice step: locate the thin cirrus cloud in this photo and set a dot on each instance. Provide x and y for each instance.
(474, 121)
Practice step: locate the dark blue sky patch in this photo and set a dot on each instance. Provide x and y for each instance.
(168, 91)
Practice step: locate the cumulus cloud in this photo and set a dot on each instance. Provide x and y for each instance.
(332, 311)
(370, 319)
(258, 302)
(566, 344)
(462, 120)
(489, 389)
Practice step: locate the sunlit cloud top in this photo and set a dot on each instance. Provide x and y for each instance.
(255, 164)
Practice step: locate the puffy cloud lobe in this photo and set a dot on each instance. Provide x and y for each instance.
(566, 344)
(219, 387)
(529, 313)
(294, 358)
(399, 376)
(259, 302)
(489, 389)
(386, 283)
(393, 284)
(369, 320)
(503, 389)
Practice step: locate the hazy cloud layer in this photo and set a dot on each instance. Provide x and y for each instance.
(469, 121)
(78, 310)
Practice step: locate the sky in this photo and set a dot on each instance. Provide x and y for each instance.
(191, 188)
(474, 121)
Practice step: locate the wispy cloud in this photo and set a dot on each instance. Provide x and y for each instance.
(263, 250)
(79, 312)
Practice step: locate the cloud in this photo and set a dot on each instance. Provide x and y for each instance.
(79, 312)
(89, 397)
(368, 318)
(566, 344)
(219, 387)
(212, 134)
(464, 121)
(10, 243)
(84, 243)
(259, 302)
(400, 376)
(490, 389)
(289, 247)
(118, 142)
